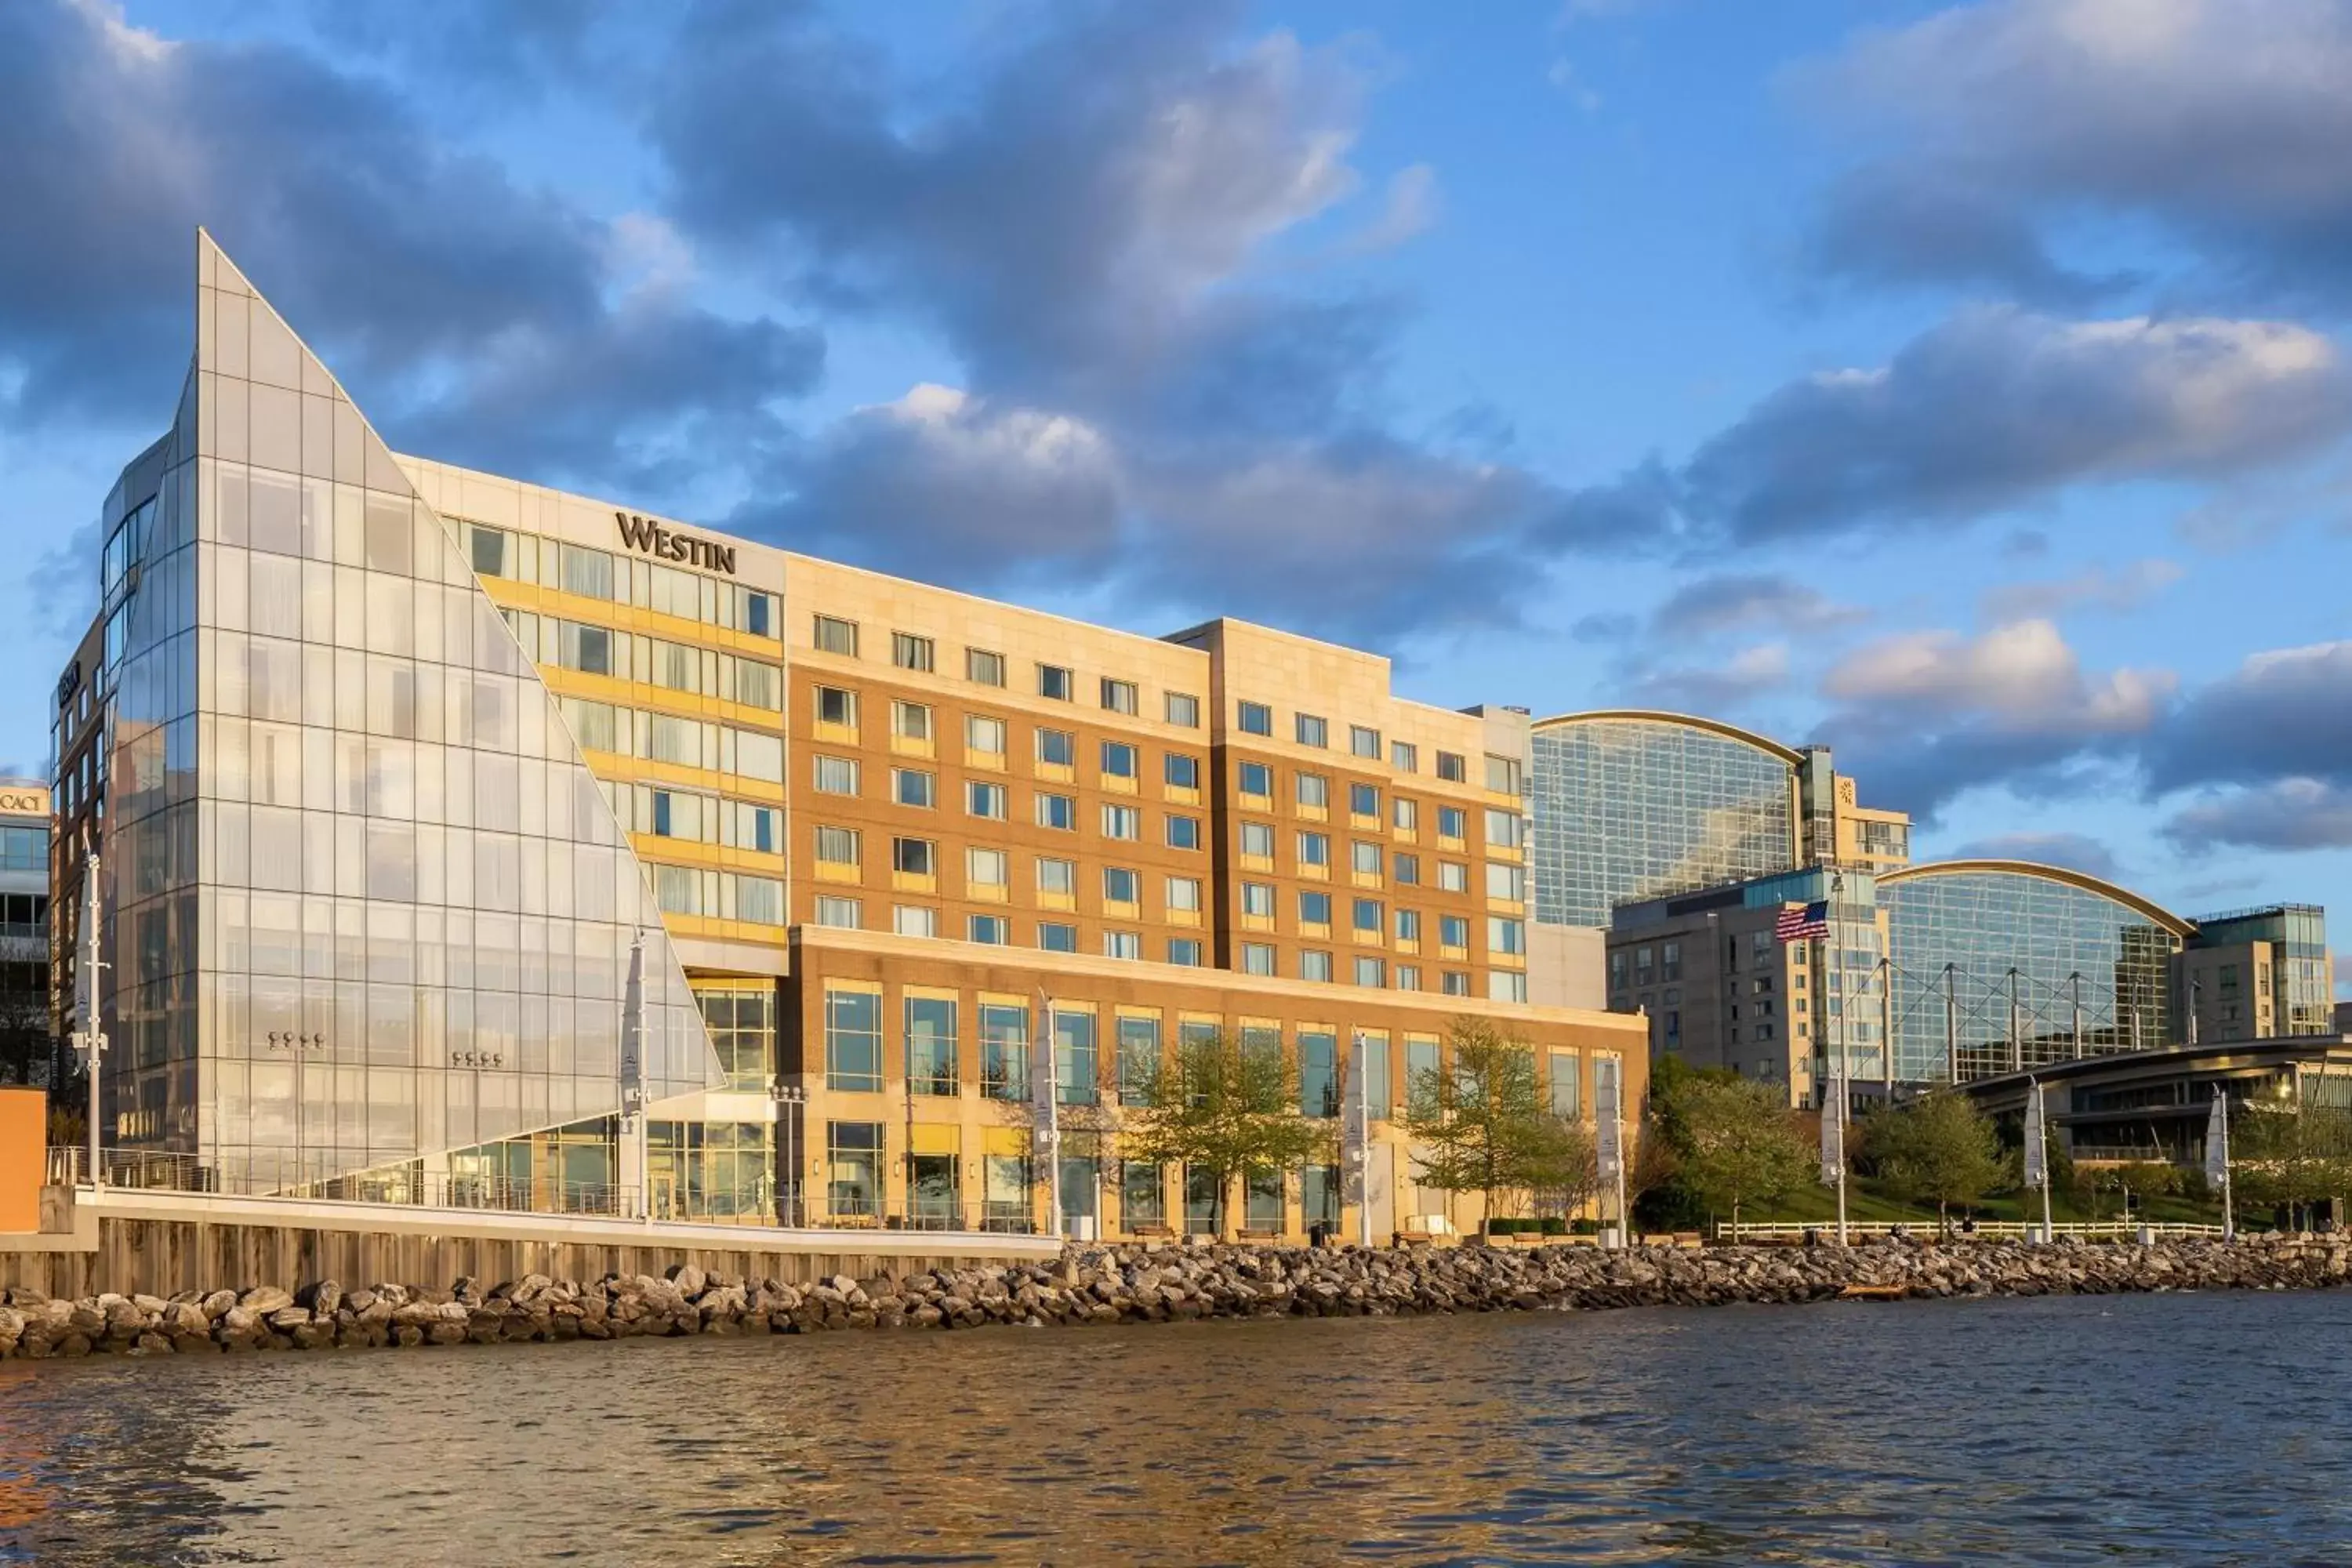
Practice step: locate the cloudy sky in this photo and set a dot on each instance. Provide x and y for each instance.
(1965, 386)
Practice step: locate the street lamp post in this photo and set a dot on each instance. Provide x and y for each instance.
(789, 1100)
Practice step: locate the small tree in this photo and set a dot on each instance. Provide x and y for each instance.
(1480, 1124)
(2290, 1156)
(1218, 1106)
(1935, 1149)
(1741, 1143)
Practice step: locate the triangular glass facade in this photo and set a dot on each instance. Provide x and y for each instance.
(368, 902)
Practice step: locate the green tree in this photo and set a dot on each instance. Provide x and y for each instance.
(1481, 1124)
(1219, 1106)
(2289, 1156)
(1740, 1142)
(1935, 1149)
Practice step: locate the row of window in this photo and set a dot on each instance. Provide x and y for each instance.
(625, 655)
(670, 738)
(987, 735)
(1312, 792)
(1505, 775)
(624, 579)
(719, 895)
(987, 867)
(983, 666)
(986, 799)
(687, 814)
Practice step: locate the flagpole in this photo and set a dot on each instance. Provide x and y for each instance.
(1046, 1111)
(2217, 1157)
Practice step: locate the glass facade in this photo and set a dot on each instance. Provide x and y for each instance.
(2307, 1004)
(365, 903)
(2036, 940)
(1630, 809)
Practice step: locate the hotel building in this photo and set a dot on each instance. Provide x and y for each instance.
(387, 762)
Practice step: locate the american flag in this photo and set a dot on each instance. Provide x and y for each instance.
(1799, 921)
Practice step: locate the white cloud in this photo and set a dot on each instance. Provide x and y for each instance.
(2288, 814)
(2117, 589)
(2022, 678)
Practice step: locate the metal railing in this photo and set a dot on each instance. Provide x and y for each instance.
(281, 1177)
(1982, 1230)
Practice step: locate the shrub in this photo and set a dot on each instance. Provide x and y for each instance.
(1584, 1228)
(1553, 1227)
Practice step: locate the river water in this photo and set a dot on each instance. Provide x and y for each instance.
(2202, 1429)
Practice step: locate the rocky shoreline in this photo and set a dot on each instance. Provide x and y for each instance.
(1101, 1284)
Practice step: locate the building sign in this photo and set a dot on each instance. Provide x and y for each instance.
(24, 800)
(650, 538)
(68, 683)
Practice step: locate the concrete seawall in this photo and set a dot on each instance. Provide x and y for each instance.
(1110, 1284)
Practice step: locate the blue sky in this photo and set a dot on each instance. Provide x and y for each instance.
(1960, 385)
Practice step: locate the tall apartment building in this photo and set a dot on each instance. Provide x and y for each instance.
(387, 761)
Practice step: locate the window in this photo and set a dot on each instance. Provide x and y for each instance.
(1180, 772)
(1407, 869)
(914, 857)
(1120, 885)
(1257, 779)
(1507, 986)
(1312, 730)
(1258, 838)
(1408, 977)
(1057, 877)
(1184, 950)
(1506, 935)
(759, 614)
(913, 786)
(1122, 945)
(1056, 682)
(1315, 849)
(1371, 972)
(1315, 967)
(1122, 822)
(987, 867)
(1183, 832)
(1319, 1073)
(1364, 858)
(908, 651)
(1253, 717)
(853, 1169)
(1183, 710)
(1502, 829)
(1258, 958)
(837, 775)
(908, 919)
(834, 635)
(1073, 1058)
(983, 667)
(1257, 898)
(837, 846)
(1502, 774)
(1004, 1051)
(1451, 767)
(1452, 822)
(1364, 742)
(984, 800)
(1408, 925)
(1057, 811)
(984, 735)
(910, 721)
(1567, 1076)
(1454, 982)
(1185, 893)
(1118, 760)
(1405, 756)
(588, 572)
(1453, 876)
(491, 553)
(1055, 937)
(1057, 747)
(1118, 696)
(1314, 908)
(1453, 931)
(845, 914)
(1314, 790)
(1363, 800)
(1138, 1059)
(852, 1040)
(1406, 813)
(1510, 883)
(1368, 914)
(835, 706)
(930, 1045)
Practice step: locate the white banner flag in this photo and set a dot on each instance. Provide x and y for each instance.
(632, 1031)
(2037, 1156)
(1608, 1142)
(1355, 1123)
(1043, 1098)
(2217, 1139)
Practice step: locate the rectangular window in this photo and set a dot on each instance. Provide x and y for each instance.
(908, 651)
(1453, 876)
(1363, 858)
(913, 786)
(1502, 829)
(909, 920)
(1257, 898)
(1057, 747)
(837, 846)
(759, 615)
(1315, 967)
(987, 867)
(1369, 916)
(1254, 719)
(1183, 710)
(1074, 1058)
(842, 913)
(1119, 760)
(1121, 885)
(1138, 1057)
(852, 1040)
(931, 1045)
(1506, 881)
(994, 931)
(1502, 774)
(1255, 778)
(1122, 822)
(1118, 696)
(1059, 811)
(1314, 908)
(852, 1166)
(835, 706)
(837, 635)
(1180, 772)
(1567, 1074)
(1004, 1051)
(1452, 822)
(1314, 849)
(1185, 893)
(1406, 815)
(910, 721)
(1363, 800)
(1407, 869)
(1453, 931)
(986, 800)
(492, 555)
(1183, 832)
(914, 857)
(1319, 1073)
(1258, 958)
(1184, 950)
(1507, 986)
(1258, 838)
(1315, 791)
(837, 775)
(588, 572)
(1056, 682)
(1059, 876)
(1364, 742)
(1454, 982)
(1055, 937)
(1371, 972)
(1408, 925)
(1142, 1193)
(1312, 730)
(1452, 768)
(1506, 935)
(1408, 977)
(984, 735)
(1405, 756)
(983, 667)
(1125, 945)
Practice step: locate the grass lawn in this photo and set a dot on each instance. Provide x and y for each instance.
(1816, 1203)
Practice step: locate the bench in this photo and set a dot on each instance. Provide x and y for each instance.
(1151, 1232)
